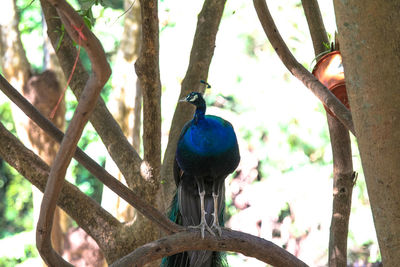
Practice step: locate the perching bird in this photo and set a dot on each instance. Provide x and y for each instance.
(207, 152)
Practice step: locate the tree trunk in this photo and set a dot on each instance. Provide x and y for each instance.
(369, 36)
(43, 91)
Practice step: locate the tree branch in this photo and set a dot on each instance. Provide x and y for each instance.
(126, 158)
(316, 26)
(319, 90)
(199, 63)
(77, 29)
(97, 222)
(99, 172)
(343, 182)
(148, 72)
(343, 175)
(246, 244)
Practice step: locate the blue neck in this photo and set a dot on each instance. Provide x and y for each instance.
(200, 111)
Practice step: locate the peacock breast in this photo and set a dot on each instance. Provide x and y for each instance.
(208, 147)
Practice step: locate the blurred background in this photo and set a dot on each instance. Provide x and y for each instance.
(282, 189)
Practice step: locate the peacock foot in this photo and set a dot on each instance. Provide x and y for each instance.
(202, 226)
(217, 228)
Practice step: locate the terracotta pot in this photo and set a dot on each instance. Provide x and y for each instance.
(329, 71)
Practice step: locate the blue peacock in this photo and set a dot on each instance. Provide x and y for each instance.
(207, 152)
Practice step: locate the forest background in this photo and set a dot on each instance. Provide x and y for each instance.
(282, 190)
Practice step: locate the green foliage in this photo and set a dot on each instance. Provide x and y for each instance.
(31, 30)
(82, 178)
(30, 251)
(6, 117)
(16, 208)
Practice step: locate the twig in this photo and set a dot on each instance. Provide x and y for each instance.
(343, 175)
(246, 244)
(319, 90)
(200, 59)
(99, 172)
(96, 81)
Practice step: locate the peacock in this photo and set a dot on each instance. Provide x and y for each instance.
(207, 152)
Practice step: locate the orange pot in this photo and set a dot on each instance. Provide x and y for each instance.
(329, 71)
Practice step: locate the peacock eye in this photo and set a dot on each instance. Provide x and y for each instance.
(192, 97)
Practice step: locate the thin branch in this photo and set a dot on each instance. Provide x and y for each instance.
(96, 221)
(99, 172)
(199, 63)
(319, 90)
(77, 29)
(148, 72)
(121, 151)
(343, 182)
(316, 26)
(246, 244)
(343, 175)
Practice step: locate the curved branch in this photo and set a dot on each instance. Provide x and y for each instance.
(121, 151)
(99, 172)
(77, 29)
(89, 215)
(319, 90)
(199, 63)
(246, 244)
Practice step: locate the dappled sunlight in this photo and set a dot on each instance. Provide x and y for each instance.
(282, 189)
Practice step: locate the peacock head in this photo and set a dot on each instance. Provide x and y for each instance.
(194, 98)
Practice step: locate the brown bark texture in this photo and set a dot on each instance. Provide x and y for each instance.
(148, 72)
(126, 241)
(343, 182)
(123, 154)
(369, 36)
(201, 54)
(86, 212)
(44, 91)
(343, 175)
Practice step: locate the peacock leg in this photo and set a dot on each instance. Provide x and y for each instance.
(215, 194)
(203, 223)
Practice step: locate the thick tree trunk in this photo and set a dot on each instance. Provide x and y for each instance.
(369, 36)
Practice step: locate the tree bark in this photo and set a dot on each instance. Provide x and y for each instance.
(341, 150)
(44, 91)
(369, 36)
(343, 181)
(298, 70)
(126, 158)
(201, 54)
(44, 96)
(86, 212)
